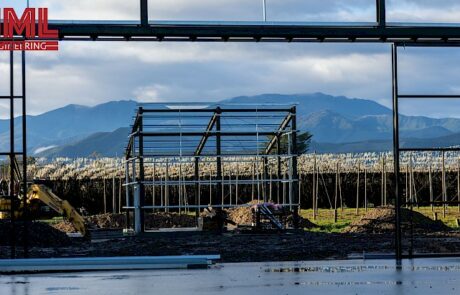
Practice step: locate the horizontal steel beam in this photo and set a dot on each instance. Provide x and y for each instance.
(257, 32)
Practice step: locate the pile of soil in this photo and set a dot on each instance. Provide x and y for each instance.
(39, 234)
(241, 215)
(106, 221)
(156, 220)
(381, 220)
(302, 222)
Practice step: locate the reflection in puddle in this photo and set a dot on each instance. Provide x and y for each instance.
(361, 268)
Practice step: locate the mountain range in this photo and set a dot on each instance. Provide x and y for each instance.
(338, 124)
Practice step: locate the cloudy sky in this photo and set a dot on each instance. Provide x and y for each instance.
(89, 73)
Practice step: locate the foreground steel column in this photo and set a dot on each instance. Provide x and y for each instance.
(144, 13)
(396, 153)
(24, 156)
(381, 13)
(12, 155)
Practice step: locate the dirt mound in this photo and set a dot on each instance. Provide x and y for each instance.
(381, 220)
(106, 221)
(156, 220)
(302, 222)
(241, 215)
(40, 235)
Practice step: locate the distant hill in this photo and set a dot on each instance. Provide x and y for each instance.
(386, 145)
(337, 123)
(70, 124)
(104, 144)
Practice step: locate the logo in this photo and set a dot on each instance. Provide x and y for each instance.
(30, 32)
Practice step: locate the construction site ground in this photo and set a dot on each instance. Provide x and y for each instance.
(368, 232)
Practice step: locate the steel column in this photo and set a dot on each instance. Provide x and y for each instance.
(220, 187)
(396, 154)
(24, 157)
(144, 13)
(12, 156)
(141, 169)
(381, 13)
(295, 174)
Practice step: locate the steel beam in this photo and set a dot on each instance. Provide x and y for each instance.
(205, 137)
(281, 128)
(255, 32)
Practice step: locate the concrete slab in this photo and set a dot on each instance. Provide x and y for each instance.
(422, 276)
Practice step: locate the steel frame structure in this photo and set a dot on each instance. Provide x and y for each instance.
(212, 135)
(250, 31)
(17, 172)
(378, 31)
(397, 149)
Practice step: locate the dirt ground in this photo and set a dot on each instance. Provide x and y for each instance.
(372, 233)
(239, 247)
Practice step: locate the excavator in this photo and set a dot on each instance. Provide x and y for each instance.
(41, 193)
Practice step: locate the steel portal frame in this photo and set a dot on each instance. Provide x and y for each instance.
(397, 149)
(144, 29)
(379, 31)
(224, 133)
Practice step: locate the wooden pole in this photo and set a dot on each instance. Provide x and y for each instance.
(430, 179)
(120, 186)
(336, 191)
(237, 192)
(317, 191)
(382, 182)
(105, 198)
(253, 179)
(114, 198)
(357, 189)
(385, 190)
(365, 189)
(313, 197)
(340, 190)
(458, 187)
(411, 197)
(407, 184)
(444, 191)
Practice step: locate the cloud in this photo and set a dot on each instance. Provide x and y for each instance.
(92, 72)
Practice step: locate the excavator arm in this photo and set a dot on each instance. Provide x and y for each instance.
(63, 207)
